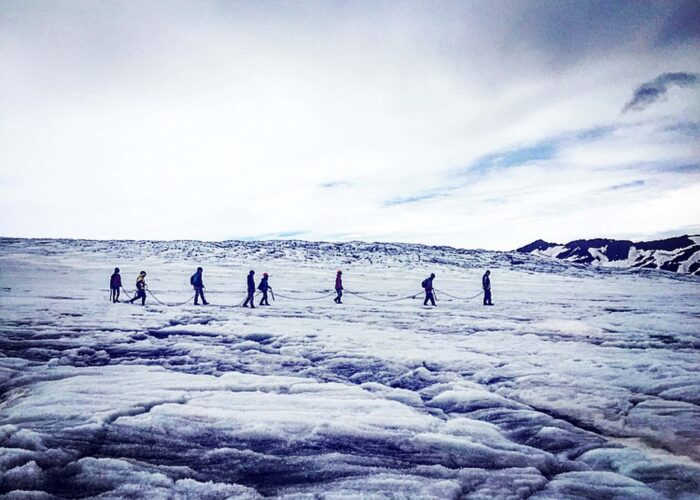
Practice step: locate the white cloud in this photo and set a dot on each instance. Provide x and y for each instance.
(196, 121)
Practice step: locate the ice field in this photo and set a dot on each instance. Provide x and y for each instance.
(578, 383)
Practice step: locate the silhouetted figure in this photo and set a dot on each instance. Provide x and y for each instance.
(429, 292)
(115, 284)
(198, 284)
(251, 290)
(264, 287)
(339, 288)
(140, 289)
(486, 285)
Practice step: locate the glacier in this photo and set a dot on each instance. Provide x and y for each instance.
(581, 382)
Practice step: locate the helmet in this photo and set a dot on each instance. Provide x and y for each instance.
(143, 272)
(266, 275)
(340, 272)
(116, 269)
(251, 272)
(432, 275)
(199, 269)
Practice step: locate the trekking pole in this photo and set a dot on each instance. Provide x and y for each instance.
(272, 294)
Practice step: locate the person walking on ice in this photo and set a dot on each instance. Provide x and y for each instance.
(339, 287)
(115, 283)
(140, 289)
(264, 287)
(251, 290)
(198, 284)
(486, 285)
(429, 291)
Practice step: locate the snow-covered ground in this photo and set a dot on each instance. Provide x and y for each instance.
(578, 383)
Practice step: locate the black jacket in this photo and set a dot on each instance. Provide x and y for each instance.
(251, 283)
(263, 286)
(197, 280)
(115, 281)
(486, 282)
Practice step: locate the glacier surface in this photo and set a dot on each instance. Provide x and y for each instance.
(579, 383)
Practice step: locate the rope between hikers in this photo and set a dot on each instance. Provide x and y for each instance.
(305, 298)
(383, 300)
(459, 298)
(320, 297)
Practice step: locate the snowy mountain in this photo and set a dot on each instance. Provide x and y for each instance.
(680, 254)
(580, 382)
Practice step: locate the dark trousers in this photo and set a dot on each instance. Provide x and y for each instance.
(250, 300)
(114, 294)
(263, 301)
(140, 294)
(429, 296)
(487, 297)
(199, 292)
(338, 299)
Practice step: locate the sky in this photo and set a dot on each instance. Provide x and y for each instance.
(476, 124)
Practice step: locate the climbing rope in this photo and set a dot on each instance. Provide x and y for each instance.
(305, 298)
(320, 297)
(458, 298)
(133, 294)
(165, 303)
(383, 300)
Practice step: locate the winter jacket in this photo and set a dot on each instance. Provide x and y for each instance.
(263, 286)
(197, 280)
(140, 282)
(115, 281)
(339, 282)
(486, 282)
(251, 283)
(428, 284)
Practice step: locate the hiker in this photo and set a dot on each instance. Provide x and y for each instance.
(251, 290)
(339, 287)
(429, 293)
(486, 285)
(198, 285)
(115, 283)
(264, 287)
(140, 289)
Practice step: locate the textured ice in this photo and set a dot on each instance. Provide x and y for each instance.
(579, 383)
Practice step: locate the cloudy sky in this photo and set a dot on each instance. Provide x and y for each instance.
(475, 124)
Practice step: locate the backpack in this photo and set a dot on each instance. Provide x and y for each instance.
(192, 278)
(425, 283)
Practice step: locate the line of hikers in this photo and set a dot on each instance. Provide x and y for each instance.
(197, 282)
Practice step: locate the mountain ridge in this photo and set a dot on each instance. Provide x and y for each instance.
(679, 254)
(415, 255)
